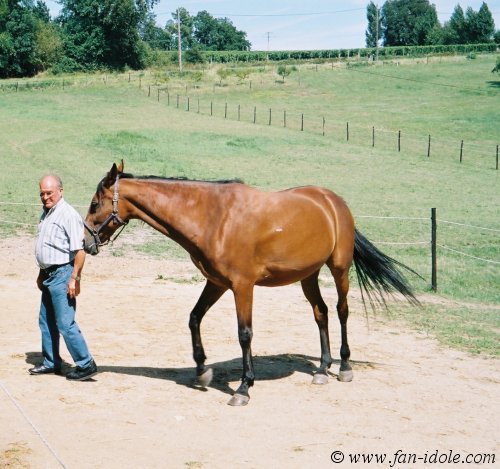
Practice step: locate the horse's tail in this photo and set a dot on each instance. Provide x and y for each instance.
(379, 273)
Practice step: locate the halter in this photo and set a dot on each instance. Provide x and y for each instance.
(113, 216)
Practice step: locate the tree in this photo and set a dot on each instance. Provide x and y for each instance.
(104, 33)
(456, 28)
(49, 47)
(283, 71)
(17, 38)
(408, 22)
(372, 34)
(156, 37)
(480, 26)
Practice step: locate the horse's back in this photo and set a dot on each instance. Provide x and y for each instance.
(289, 234)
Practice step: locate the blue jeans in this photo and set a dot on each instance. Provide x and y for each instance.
(57, 316)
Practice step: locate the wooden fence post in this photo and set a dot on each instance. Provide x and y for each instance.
(254, 114)
(302, 123)
(399, 140)
(188, 104)
(270, 112)
(429, 147)
(347, 130)
(497, 159)
(461, 150)
(434, 249)
(323, 126)
(373, 136)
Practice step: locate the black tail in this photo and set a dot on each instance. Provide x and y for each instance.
(379, 273)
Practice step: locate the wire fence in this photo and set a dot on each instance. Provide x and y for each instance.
(193, 97)
(484, 154)
(424, 236)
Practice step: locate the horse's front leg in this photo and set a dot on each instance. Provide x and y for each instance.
(243, 295)
(209, 296)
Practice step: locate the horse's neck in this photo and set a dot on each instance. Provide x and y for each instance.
(176, 209)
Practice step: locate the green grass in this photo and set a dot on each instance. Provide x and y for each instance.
(80, 131)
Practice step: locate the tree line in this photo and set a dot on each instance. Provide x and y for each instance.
(90, 35)
(415, 23)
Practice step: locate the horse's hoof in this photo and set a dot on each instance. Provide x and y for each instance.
(345, 376)
(205, 378)
(238, 400)
(320, 378)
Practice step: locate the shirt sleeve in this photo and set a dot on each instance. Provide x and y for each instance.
(75, 231)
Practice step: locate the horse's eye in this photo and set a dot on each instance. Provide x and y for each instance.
(93, 206)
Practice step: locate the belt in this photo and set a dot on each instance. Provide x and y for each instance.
(50, 269)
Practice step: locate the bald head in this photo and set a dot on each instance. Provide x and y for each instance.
(51, 190)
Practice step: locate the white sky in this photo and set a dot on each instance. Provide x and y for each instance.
(296, 24)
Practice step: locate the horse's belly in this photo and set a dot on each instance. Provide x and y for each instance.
(285, 275)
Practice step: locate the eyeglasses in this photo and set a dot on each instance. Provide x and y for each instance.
(47, 193)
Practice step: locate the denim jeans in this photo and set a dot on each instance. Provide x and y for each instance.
(57, 316)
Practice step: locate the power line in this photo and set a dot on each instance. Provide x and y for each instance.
(264, 15)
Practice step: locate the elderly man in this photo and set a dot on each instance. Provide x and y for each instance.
(60, 256)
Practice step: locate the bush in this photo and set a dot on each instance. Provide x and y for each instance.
(66, 65)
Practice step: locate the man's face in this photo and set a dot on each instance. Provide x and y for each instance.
(50, 192)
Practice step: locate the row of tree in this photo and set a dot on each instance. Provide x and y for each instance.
(115, 34)
(415, 23)
(97, 34)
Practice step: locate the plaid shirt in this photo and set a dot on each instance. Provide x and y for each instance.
(60, 234)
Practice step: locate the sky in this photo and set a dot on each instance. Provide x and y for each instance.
(298, 24)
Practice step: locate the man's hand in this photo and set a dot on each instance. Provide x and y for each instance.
(73, 287)
(39, 281)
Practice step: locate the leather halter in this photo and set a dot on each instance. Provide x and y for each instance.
(113, 216)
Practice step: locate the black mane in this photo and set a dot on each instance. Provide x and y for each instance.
(181, 178)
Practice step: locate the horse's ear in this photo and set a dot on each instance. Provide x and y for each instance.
(121, 166)
(110, 178)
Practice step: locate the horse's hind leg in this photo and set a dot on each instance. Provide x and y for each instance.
(341, 276)
(210, 294)
(311, 291)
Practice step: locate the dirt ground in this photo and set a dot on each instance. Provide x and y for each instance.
(417, 403)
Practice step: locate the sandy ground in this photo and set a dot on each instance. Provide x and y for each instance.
(142, 410)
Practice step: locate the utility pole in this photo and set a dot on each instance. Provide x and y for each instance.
(179, 40)
(376, 38)
(268, 34)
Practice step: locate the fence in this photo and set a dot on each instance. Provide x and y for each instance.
(432, 242)
(395, 140)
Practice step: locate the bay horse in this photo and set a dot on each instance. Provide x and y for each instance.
(240, 237)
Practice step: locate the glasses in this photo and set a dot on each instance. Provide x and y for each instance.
(46, 193)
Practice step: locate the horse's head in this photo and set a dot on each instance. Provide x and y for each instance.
(103, 217)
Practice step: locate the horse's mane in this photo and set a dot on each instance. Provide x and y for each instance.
(181, 178)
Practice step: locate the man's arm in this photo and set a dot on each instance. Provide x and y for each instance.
(74, 281)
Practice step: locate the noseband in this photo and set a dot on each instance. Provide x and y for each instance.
(113, 216)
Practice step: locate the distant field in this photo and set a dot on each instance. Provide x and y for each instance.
(79, 131)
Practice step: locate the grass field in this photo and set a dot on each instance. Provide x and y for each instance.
(79, 131)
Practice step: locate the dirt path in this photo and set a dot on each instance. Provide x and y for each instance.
(141, 411)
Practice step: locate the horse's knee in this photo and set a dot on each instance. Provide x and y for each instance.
(245, 335)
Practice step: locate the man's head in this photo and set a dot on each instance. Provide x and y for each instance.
(51, 190)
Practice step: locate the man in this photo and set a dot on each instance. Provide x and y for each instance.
(60, 256)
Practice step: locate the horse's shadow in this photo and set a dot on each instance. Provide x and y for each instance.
(267, 367)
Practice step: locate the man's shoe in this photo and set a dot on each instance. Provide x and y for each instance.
(82, 374)
(44, 370)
